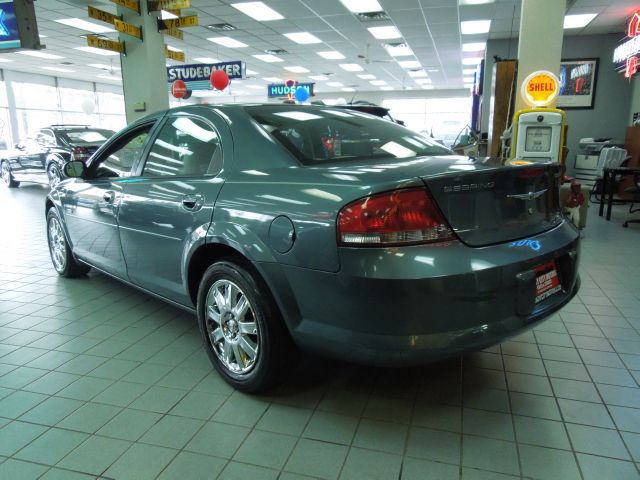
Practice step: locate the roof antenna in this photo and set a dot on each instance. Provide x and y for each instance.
(354, 97)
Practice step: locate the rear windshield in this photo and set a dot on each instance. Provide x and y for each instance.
(86, 135)
(324, 134)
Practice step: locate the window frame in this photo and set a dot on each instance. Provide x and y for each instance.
(158, 129)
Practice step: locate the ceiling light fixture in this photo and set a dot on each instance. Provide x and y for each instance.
(103, 66)
(398, 50)
(258, 11)
(95, 51)
(578, 21)
(362, 6)
(40, 54)
(351, 67)
(335, 84)
(417, 73)
(474, 47)
(319, 78)
(165, 15)
(206, 60)
(227, 42)
(385, 33)
(366, 76)
(302, 38)
(331, 55)
(410, 64)
(297, 69)
(268, 58)
(84, 25)
(378, 82)
(474, 2)
(471, 61)
(272, 79)
(472, 27)
(58, 69)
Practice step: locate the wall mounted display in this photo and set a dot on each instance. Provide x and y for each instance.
(18, 28)
(578, 83)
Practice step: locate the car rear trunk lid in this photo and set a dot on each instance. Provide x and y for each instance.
(498, 205)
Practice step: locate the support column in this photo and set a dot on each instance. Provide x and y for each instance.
(144, 73)
(540, 42)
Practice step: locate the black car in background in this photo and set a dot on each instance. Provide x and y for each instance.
(40, 157)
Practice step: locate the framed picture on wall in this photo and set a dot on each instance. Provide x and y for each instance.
(578, 83)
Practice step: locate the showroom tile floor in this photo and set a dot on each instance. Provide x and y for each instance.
(99, 380)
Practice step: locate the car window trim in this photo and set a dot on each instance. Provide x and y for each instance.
(160, 126)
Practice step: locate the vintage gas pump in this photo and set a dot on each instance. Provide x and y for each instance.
(538, 132)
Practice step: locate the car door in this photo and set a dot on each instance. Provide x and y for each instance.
(91, 204)
(172, 201)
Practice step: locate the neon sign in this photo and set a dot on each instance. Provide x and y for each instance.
(625, 55)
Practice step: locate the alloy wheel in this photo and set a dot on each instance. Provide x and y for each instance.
(57, 244)
(232, 327)
(53, 172)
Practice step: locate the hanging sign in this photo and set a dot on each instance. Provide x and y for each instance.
(625, 56)
(127, 28)
(102, 15)
(131, 4)
(540, 89)
(105, 44)
(175, 33)
(288, 89)
(173, 55)
(169, 5)
(198, 76)
(191, 21)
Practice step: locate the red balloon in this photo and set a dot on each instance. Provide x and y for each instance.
(219, 79)
(179, 89)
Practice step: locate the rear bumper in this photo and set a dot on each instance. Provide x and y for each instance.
(413, 305)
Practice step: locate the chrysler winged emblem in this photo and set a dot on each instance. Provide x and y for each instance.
(528, 196)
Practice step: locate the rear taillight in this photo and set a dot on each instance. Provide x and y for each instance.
(399, 217)
(80, 153)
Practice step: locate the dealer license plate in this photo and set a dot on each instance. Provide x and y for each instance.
(547, 281)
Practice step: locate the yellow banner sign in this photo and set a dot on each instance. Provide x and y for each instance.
(191, 21)
(174, 32)
(129, 29)
(169, 5)
(102, 15)
(132, 4)
(105, 44)
(177, 56)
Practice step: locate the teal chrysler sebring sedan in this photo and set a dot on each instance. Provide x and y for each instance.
(288, 228)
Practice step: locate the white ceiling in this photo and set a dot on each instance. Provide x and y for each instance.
(431, 28)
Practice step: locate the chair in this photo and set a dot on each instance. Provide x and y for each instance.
(635, 193)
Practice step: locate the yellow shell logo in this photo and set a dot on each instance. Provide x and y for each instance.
(540, 89)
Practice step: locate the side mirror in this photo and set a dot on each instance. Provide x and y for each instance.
(400, 122)
(74, 169)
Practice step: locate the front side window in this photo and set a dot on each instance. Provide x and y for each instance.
(184, 147)
(320, 135)
(120, 158)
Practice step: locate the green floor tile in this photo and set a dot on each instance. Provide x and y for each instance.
(16, 435)
(21, 470)
(331, 427)
(370, 465)
(121, 393)
(323, 460)
(242, 471)
(158, 399)
(17, 403)
(95, 455)
(89, 418)
(172, 432)
(489, 454)
(265, 449)
(85, 388)
(129, 424)
(51, 446)
(198, 405)
(415, 469)
(142, 462)
(539, 462)
(241, 409)
(51, 411)
(51, 383)
(285, 419)
(193, 466)
(218, 439)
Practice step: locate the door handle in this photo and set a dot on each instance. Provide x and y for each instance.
(193, 202)
(108, 196)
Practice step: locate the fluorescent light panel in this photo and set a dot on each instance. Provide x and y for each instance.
(40, 54)
(378, 82)
(84, 25)
(385, 33)
(251, 72)
(96, 51)
(103, 66)
(173, 49)
(272, 79)
(206, 60)
(468, 71)
(367, 76)
(57, 69)
(297, 69)
(109, 77)
(474, 2)
(258, 11)
(227, 42)
(266, 57)
(351, 67)
(303, 38)
(164, 15)
(5, 60)
(331, 55)
(472, 27)
(387, 88)
(471, 61)
(410, 64)
(362, 6)
(418, 74)
(578, 21)
(335, 84)
(399, 51)
(255, 87)
(423, 81)
(320, 78)
(474, 47)
(348, 89)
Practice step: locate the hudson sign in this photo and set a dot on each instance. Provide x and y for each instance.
(625, 56)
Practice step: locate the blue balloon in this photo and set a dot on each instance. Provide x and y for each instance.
(301, 94)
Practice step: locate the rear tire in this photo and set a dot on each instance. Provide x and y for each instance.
(61, 257)
(7, 175)
(242, 329)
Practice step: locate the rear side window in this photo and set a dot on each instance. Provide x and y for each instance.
(184, 147)
(318, 134)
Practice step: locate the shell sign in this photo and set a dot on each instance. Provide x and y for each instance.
(540, 89)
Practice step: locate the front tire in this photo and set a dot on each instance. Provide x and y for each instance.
(61, 257)
(243, 331)
(7, 175)
(54, 174)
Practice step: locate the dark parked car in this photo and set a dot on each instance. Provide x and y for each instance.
(305, 226)
(40, 157)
